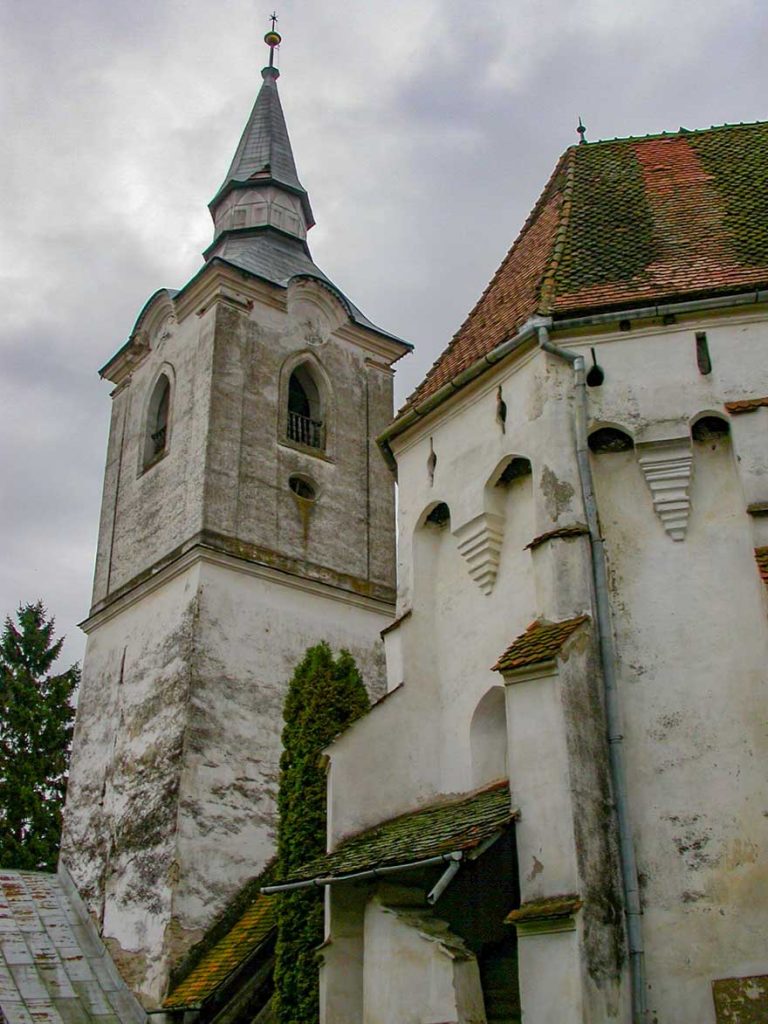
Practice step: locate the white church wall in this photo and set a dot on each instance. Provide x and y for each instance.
(119, 830)
(249, 639)
(691, 695)
(416, 972)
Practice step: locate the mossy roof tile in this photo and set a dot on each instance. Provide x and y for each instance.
(442, 828)
(244, 938)
(541, 642)
(628, 222)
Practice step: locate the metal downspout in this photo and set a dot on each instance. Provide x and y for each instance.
(612, 701)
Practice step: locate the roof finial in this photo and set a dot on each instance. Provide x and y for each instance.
(582, 132)
(272, 39)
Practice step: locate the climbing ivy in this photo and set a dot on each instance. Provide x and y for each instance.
(324, 696)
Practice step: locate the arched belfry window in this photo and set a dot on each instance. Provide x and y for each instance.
(156, 441)
(305, 423)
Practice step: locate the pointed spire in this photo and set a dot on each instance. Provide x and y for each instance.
(264, 158)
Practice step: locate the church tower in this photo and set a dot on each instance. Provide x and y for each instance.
(246, 515)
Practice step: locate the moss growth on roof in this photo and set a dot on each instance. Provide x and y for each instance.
(440, 829)
(736, 156)
(222, 958)
(610, 233)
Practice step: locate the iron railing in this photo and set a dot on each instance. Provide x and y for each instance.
(305, 430)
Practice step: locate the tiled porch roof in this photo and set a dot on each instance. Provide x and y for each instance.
(440, 829)
(540, 643)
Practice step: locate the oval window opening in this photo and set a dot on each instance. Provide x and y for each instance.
(302, 488)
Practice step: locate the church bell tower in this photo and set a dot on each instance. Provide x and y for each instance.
(246, 514)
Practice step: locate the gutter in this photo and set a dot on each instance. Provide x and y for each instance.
(617, 763)
(417, 412)
(505, 348)
(454, 857)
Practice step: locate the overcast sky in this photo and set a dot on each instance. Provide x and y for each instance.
(423, 130)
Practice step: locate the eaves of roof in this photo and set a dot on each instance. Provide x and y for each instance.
(622, 224)
(449, 827)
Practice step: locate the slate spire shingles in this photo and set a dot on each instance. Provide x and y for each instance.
(264, 150)
(626, 223)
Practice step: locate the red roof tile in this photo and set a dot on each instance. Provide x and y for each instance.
(745, 405)
(541, 642)
(625, 223)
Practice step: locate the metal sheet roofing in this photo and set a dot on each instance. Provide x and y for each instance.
(626, 223)
(442, 828)
(54, 968)
(264, 149)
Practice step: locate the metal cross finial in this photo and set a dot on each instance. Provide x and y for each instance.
(272, 39)
(582, 131)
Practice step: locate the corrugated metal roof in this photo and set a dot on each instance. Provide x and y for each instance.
(54, 968)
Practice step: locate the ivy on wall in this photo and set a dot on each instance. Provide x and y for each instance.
(324, 696)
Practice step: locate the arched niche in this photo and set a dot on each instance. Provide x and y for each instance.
(488, 738)
(157, 420)
(609, 439)
(710, 426)
(306, 410)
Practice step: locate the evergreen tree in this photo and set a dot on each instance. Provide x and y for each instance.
(36, 716)
(324, 697)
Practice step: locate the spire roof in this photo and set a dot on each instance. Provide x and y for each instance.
(264, 152)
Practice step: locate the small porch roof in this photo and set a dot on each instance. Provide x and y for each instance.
(449, 827)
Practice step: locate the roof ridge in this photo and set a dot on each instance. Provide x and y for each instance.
(671, 134)
(547, 285)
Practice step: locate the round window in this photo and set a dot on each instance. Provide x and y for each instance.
(302, 488)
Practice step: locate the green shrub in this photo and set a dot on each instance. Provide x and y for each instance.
(324, 697)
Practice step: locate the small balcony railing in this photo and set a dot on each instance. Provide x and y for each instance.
(158, 441)
(306, 431)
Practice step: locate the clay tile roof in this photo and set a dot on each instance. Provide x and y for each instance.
(548, 907)
(541, 642)
(623, 223)
(746, 405)
(440, 829)
(221, 960)
(761, 557)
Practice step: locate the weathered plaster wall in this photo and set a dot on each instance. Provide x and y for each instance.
(693, 644)
(119, 839)
(251, 634)
(416, 970)
(212, 580)
(146, 513)
(350, 527)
